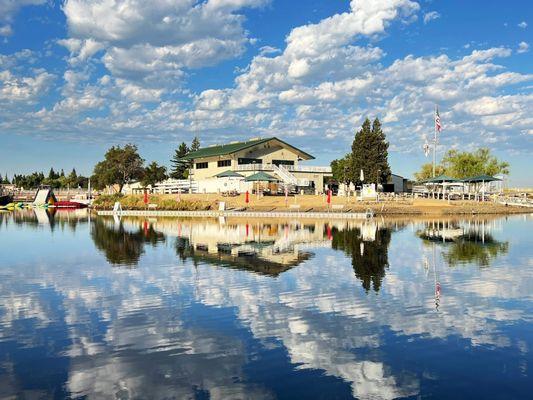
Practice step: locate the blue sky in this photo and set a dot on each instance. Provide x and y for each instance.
(77, 76)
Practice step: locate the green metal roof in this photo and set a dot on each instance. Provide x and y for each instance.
(230, 148)
(441, 178)
(229, 174)
(260, 177)
(481, 178)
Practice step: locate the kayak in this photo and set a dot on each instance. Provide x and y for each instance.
(69, 204)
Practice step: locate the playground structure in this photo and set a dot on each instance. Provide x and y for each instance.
(44, 196)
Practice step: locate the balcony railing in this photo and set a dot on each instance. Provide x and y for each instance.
(291, 168)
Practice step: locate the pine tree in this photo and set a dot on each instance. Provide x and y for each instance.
(370, 154)
(52, 174)
(179, 168)
(195, 145)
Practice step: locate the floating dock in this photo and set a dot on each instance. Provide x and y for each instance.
(244, 214)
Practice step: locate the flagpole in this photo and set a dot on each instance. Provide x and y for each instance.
(434, 140)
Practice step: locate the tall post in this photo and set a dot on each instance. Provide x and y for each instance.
(434, 140)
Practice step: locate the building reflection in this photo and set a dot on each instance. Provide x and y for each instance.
(465, 242)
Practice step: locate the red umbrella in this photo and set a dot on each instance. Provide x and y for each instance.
(145, 196)
(247, 197)
(329, 196)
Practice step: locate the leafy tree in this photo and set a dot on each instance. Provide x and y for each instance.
(462, 164)
(195, 145)
(370, 154)
(180, 167)
(153, 173)
(341, 169)
(62, 174)
(426, 171)
(120, 166)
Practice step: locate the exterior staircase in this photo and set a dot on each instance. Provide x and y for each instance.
(287, 177)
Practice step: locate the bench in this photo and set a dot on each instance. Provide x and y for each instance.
(152, 206)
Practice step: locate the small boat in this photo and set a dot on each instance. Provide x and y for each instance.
(69, 204)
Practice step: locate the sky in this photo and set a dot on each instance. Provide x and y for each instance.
(78, 76)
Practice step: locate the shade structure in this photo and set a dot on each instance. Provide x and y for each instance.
(260, 177)
(440, 179)
(481, 178)
(229, 174)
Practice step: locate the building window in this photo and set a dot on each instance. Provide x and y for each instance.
(201, 165)
(224, 163)
(283, 162)
(243, 161)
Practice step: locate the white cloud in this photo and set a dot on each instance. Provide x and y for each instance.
(144, 40)
(26, 89)
(522, 25)
(523, 47)
(8, 10)
(430, 16)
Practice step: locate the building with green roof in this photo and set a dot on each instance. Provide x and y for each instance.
(270, 155)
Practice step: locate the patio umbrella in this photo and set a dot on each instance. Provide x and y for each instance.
(229, 174)
(260, 177)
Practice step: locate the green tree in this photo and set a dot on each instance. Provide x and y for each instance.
(341, 169)
(120, 166)
(426, 171)
(179, 167)
(370, 154)
(195, 145)
(153, 173)
(52, 174)
(462, 164)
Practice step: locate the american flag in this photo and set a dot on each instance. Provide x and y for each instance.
(438, 125)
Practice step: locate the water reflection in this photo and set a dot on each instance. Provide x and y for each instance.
(183, 325)
(121, 243)
(467, 242)
(368, 247)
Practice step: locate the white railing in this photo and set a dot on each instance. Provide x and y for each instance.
(290, 168)
(175, 185)
(285, 175)
(302, 168)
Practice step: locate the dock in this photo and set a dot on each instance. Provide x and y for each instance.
(237, 214)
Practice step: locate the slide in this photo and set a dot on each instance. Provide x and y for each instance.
(44, 196)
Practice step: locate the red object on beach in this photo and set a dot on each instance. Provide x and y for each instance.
(145, 196)
(329, 196)
(69, 204)
(247, 197)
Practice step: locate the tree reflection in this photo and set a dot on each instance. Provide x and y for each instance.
(369, 257)
(120, 245)
(469, 243)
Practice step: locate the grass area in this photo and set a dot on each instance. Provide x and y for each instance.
(163, 202)
(305, 203)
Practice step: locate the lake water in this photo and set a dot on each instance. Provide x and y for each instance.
(231, 309)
